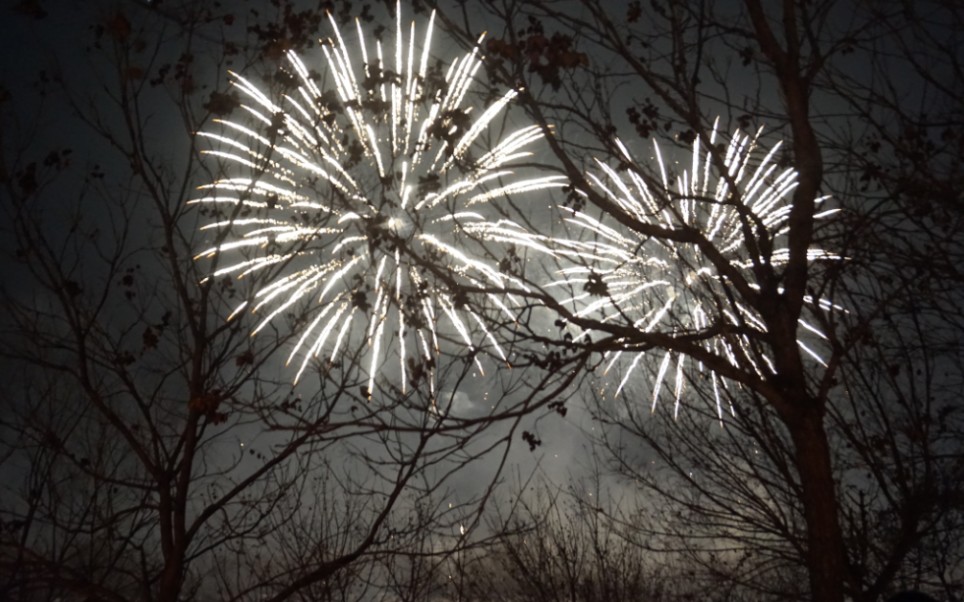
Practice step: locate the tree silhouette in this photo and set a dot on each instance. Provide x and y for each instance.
(832, 79)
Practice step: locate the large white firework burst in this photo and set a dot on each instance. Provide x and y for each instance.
(351, 183)
(623, 277)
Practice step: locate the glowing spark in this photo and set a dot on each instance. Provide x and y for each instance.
(354, 182)
(621, 276)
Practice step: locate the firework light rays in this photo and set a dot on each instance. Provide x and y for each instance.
(615, 274)
(353, 184)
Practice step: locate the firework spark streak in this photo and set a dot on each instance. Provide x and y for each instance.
(352, 183)
(623, 277)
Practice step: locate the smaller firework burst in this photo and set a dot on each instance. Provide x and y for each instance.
(623, 276)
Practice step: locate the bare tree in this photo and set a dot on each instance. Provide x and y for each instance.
(735, 511)
(565, 551)
(152, 448)
(567, 543)
(828, 76)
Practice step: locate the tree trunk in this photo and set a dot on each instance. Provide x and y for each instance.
(826, 556)
(169, 589)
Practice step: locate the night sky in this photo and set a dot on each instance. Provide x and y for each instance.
(891, 141)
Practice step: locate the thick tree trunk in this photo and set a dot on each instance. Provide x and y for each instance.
(826, 557)
(169, 589)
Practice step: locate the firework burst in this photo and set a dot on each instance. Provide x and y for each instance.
(623, 277)
(354, 183)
